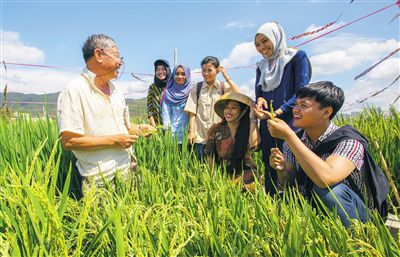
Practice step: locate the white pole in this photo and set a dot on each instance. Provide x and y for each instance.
(44, 111)
(175, 56)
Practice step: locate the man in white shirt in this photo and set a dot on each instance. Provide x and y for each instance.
(91, 115)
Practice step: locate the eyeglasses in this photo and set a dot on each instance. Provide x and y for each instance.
(120, 65)
(119, 59)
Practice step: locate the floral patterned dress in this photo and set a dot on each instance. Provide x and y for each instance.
(220, 145)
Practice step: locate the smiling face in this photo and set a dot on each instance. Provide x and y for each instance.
(264, 46)
(307, 113)
(209, 72)
(232, 111)
(180, 76)
(161, 72)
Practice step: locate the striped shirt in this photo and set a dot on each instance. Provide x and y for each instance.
(350, 149)
(153, 103)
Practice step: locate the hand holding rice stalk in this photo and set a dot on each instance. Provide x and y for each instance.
(271, 108)
(273, 117)
(144, 130)
(268, 114)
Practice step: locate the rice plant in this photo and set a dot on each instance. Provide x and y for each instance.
(172, 206)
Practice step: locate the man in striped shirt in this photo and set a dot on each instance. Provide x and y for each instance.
(336, 175)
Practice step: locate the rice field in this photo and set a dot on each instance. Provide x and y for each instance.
(172, 206)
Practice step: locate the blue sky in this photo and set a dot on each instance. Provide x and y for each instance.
(52, 33)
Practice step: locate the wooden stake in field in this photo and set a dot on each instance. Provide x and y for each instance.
(388, 173)
(4, 104)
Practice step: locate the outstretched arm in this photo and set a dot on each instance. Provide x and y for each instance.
(74, 141)
(323, 173)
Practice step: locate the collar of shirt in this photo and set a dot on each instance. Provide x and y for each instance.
(90, 76)
(215, 84)
(306, 140)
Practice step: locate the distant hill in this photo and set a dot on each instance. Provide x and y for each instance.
(36, 104)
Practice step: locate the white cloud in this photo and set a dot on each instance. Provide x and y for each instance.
(40, 81)
(379, 78)
(133, 89)
(196, 75)
(382, 100)
(345, 52)
(242, 54)
(335, 55)
(239, 25)
(313, 27)
(390, 68)
(14, 50)
(340, 41)
(248, 88)
(29, 80)
(43, 80)
(37, 80)
(332, 62)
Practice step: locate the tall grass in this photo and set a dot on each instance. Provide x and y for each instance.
(172, 206)
(383, 128)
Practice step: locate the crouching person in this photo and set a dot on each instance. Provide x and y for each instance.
(231, 141)
(327, 161)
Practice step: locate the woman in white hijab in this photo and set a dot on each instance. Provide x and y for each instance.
(280, 74)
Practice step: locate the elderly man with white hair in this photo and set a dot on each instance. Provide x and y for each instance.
(91, 117)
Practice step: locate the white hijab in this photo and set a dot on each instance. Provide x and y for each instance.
(272, 68)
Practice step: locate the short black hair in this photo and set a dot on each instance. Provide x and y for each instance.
(210, 59)
(325, 93)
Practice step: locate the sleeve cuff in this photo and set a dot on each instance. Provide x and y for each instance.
(77, 131)
(285, 108)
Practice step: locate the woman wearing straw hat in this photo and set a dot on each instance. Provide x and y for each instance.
(230, 141)
(280, 74)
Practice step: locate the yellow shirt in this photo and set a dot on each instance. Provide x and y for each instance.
(203, 108)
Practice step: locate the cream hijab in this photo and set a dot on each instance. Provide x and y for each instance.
(272, 68)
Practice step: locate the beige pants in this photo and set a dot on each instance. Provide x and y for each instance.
(101, 180)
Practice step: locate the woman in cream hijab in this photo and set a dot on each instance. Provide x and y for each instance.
(281, 72)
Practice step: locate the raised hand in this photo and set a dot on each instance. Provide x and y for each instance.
(262, 114)
(279, 129)
(223, 71)
(260, 109)
(262, 104)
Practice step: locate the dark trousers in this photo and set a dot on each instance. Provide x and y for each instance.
(271, 177)
(199, 149)
(344, 201)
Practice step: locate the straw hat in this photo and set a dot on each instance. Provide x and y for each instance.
(221, 103)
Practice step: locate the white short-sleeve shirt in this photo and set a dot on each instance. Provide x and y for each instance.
(83, 109)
